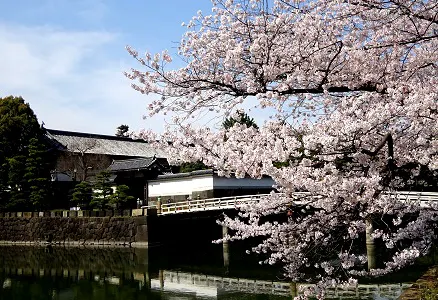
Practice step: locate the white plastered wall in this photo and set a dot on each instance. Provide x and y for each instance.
(180, 186)
(206, 182)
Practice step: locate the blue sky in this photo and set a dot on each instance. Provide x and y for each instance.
(66, 57)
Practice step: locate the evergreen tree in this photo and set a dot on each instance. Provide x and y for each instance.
(82, 194)
(4, 187)
(121, 197)
(102, 190)
(240, 118)
(192, 166)
(22, 172)
(122, 130)
(16, 184)
(37, 173)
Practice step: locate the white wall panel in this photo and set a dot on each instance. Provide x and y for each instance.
(188, 185)
(180, 186)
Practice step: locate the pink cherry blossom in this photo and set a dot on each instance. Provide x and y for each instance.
(355, 92)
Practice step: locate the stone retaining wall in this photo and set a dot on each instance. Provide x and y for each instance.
(67, 227)
(77, 213)
(426, 287)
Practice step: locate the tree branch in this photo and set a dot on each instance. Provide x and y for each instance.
(387, 139)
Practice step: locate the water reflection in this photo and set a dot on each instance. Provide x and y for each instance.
(133, 274)
(215, 286)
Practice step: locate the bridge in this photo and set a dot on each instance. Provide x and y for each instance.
(205, 204)
(423, 199)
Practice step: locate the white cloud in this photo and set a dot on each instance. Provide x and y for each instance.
(72, 82)
(69, 79)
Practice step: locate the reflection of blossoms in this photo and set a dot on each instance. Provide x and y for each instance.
(354, 92)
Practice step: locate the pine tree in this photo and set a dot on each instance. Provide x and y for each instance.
(4, 194)
(192, 166)
(37, 174)
(82, 194)
(102, 190)
(16, 184)
(122, 130)
(240, 118)
(121, 197)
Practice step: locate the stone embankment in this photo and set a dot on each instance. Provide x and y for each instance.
(425, 288)
(79, 227)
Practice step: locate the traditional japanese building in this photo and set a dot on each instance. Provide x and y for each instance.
(80, 156)
(83, 155)
(144, 169)
(137, 172)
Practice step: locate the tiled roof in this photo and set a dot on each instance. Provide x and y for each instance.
(103, 144)
(132, 164)
(187, 174)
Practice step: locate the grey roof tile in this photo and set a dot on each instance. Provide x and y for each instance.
(103, 144)
(132, 164)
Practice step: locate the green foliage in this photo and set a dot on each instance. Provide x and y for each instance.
(121, 197)
(122, 130)
(192, 166)
(4, 187)
(240, 118)
(18, 124)
(102, 190)
(100, 194)
(16, 184)
(82, 194)
(24, 163)
(37, 173)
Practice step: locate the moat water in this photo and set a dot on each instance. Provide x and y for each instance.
(178, 272)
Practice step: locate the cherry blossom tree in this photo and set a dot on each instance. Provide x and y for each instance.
(354, 87)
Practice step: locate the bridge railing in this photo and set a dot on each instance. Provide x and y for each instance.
(418, 198)
(206, 204)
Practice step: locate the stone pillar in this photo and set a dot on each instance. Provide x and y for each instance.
(371, 247)
(159, 205)
(161, 278)
(141, 238)
(225, 247)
